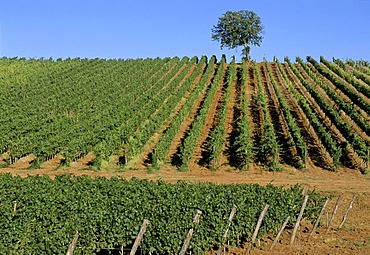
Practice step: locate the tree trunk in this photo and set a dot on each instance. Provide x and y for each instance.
(246, 51)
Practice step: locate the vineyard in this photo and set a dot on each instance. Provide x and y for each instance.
(39, 215)
(169, 118)
(185, 113)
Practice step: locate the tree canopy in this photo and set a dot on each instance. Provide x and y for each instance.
(241, 28)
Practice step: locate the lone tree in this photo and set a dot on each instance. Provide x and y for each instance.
(241, 28)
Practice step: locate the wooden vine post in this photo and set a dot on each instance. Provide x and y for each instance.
(231, 216)
(334, 213)
(296, 226)
(319, 217)
(190, 233)
(139, 236)
(280, 232)
(72, 246)
(259, 222)
(348, 209)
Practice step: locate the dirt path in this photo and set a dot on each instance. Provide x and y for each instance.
(344, 180)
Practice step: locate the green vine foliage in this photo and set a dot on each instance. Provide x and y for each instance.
(161, 149)
(69, 106)
(108, 213)
(217, 136)
(119, 109)
(294, 135)
(268, 147)
(243, 141)
(323, 132)
(191, 140)
(354, 140)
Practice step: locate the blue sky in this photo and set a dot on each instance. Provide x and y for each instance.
(168, 28)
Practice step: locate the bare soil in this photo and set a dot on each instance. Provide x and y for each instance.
(317, 152)
(289, 151)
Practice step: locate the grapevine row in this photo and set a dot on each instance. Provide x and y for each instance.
(243, 141)
(190, 142)
(268, 147)
(346, 129)
(294, 132)
(108, 213)
(161, 149)
(353, 95)
(348, 108)
(121, 111)
(166, 106)
(216, 137)
(345, 75)
(325, 135)
(358, 74)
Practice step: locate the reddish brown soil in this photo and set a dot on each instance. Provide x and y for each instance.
(317, 153)
(155, 138)
(289, 153)
(186, 124)
(210, 122)
(255, 112)
(349, 151)
(349, 85)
